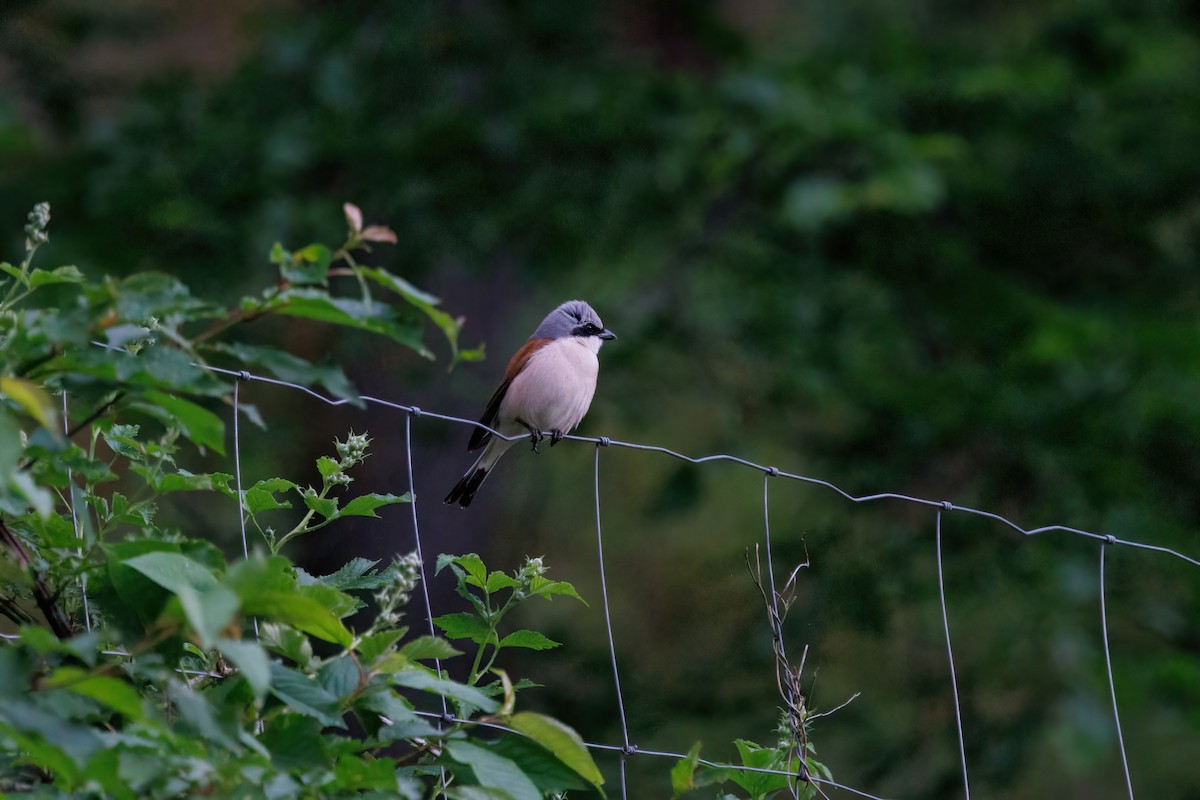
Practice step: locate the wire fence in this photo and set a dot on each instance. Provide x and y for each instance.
(628, 748)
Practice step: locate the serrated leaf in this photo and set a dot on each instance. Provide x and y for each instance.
(428, 647)
(327, 507)
(531, 640)
(499, 580)
(544, 587)
(560, 739)
(327, 466)
(462, 625)
(365, 505)
(373, 646)
(286, 641)
(340, 676)
(424, 681)
(354, 574)
(304, 695)
(41, 277)
(295, 742)
(261, 496)
(474, 567)
(201, 426)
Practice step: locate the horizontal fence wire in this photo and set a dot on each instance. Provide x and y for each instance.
(628, 749)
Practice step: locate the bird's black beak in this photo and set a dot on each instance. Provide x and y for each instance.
(606, 334)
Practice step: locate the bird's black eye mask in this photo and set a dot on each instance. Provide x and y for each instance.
(586, 329)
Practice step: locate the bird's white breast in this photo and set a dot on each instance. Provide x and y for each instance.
(555, 388)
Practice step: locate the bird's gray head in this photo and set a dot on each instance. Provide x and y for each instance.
(572, 318)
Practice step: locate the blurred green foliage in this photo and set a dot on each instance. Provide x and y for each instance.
(906, 247)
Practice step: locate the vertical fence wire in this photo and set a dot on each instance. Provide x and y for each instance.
(612, 648)
(412, 504)
(1112, 690)
(83, 582)
(962, 750)
(237, 471)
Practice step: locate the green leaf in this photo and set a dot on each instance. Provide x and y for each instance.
(122, 440)
(154, 294)
(327, 466)
(427, 682)
(365, 505)
(427, 303)
(47, 738)
(208, 611)
(462, 625)
(545, 588)
(201, 426)
(683, 774)
(340, 676)
(759, 757)
(548, 773)
(307, 266)
(173, 571)
(373, 646)
(184, 481)
(41, 277)
(286, 641)
(531, 640)
(559, 739)
(290, 368)
(493, 771)
(295, 742)
(33, 398)
(304, 695)
(374, 318)
(197, 713)
(13, 272)
(10, 445)
(261, 496)
(268, 589)
(112, 692)
(301, 612)
(354, 574)
(339, 603)
(251, 661)
(327, 507)
(499, 580)
(356, 774)
(425, 647)
(471, 563)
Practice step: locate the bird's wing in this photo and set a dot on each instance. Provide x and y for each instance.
(479, 436)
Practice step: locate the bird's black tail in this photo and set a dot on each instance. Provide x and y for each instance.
(464, 491)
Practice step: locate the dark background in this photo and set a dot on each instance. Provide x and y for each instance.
(943, 249)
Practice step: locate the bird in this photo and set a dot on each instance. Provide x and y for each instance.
(548, 387)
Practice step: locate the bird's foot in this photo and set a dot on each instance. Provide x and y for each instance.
(556, 436)
(536, 436)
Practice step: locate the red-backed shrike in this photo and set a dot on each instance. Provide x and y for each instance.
(547, 389)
